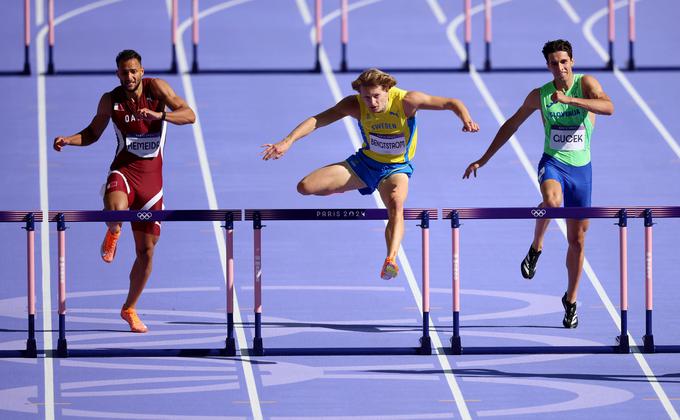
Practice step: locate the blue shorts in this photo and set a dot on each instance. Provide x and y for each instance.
(576, 181)
(372, 172)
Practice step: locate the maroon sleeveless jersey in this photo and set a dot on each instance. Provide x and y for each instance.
(140, 142)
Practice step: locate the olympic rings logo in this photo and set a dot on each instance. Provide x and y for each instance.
(144, 215)
(538, 212)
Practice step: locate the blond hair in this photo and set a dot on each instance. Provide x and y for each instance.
(374, 77)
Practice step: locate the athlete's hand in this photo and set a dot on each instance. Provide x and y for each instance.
(275, 151)
(470, 126)
(59, 143)
(559, 96)
(149, 115)
(472, 169)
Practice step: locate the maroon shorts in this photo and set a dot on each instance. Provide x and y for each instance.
(144, 192)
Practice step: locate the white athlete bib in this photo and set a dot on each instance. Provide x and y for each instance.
(145, 146)
(387, 144)
(567, 137)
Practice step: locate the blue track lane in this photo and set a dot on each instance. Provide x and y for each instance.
(321, 285)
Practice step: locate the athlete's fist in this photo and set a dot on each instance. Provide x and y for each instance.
(149, 115)
(59, 143)
(470, 126)
(559, 96)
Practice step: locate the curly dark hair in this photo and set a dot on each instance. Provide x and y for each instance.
(126, 55)
(556, 45)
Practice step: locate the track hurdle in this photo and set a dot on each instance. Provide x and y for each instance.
(174, 18)
(649, 214)
(611, 34)
(257, 216)
(226, 216)
(455, 215)
(29, 218)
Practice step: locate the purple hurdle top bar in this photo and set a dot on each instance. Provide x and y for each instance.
(228, 216)
(145, 215)
(558, 212)
(257, 216)
(29, 218)
(335, 214)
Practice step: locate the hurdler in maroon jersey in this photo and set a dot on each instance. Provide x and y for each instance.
(135, 181)
(137, 168)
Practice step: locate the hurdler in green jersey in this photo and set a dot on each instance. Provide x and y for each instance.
(387, 122)
(568, 106)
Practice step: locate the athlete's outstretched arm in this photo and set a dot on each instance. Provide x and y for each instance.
(92, 132)
(415, 100)
(531, 104)
(348, 106)
(595, 101)
(181, 112)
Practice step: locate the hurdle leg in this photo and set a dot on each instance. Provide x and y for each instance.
(50, 25)
(194, 34)
(27, 37)
(456, 347)
(425, 340)
(631, 35)
(624, 342)
(230, 342)
(258, 349)
(31, 346)
(648, 339)
(317, 27)
(62, 347)
(468, 33)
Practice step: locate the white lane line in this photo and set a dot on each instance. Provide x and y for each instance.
(588, 33)
(437, 11)
(406, 266)
(48, 365)
(590, 273)
(242, 342)
(39, 12)
(569, 10)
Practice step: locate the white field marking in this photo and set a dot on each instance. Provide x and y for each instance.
(39, 12)
(242, 342)
(491, 103)
(588, 33)
(48, 366)
(437, 11)
(408, 272)
(569, 10)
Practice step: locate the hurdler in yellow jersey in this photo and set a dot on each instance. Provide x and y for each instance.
(387, 121)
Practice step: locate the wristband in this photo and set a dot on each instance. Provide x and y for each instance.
(163, 116)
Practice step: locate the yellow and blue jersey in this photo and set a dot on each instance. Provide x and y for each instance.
(389, 136)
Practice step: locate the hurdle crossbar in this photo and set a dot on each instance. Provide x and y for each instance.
(257, 216)
(228, 216)
(622, 214)
(29, 218)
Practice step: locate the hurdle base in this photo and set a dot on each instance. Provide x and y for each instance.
(258, 348)
(456, 347)
(648, 341)
(623, 344)
(31, 348)
(230, 346)
(425, 345)
(62, 348)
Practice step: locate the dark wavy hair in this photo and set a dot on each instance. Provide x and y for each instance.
(126, 55)
(556, 45)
